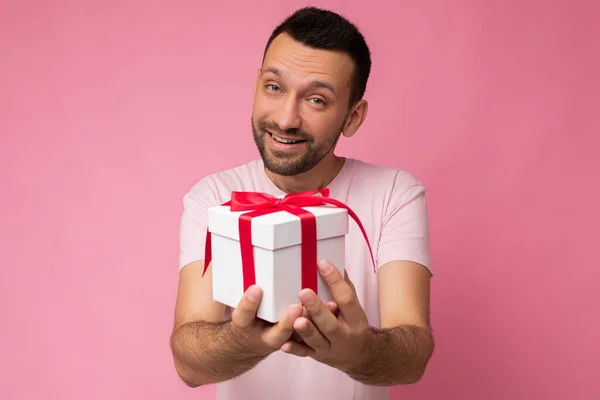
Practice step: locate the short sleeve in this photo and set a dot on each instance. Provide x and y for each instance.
(192, 235)
(405, 232)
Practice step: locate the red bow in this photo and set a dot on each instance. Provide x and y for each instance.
(263, 203)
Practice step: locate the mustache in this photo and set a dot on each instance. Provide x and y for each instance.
(294, 132)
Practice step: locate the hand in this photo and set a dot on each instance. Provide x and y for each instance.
(261, 338)
(339, 341)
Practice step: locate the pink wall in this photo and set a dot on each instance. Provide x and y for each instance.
(107, 110)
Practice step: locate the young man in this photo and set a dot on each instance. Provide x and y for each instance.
(376, 333)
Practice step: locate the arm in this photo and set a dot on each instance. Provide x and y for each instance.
(396, 353)
(202, 342)
(399, 351)
(205, 347)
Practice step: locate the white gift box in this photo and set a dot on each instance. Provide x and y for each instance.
(276, 239)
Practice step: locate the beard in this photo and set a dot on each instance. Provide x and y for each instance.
(288, 163)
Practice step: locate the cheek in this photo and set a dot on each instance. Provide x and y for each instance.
(324, 128)
(263, 106)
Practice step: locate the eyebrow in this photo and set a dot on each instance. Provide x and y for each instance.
(313, 84)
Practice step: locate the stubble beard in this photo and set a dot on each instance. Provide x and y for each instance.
(286, 164)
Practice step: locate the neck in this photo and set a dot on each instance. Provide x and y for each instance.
(317, 178)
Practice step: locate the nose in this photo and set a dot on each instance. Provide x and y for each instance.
(288, 117)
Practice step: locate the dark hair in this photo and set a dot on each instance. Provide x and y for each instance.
(323, 29)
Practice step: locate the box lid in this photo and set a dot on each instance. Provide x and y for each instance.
(279, 229)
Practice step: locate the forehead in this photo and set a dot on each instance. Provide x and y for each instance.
(299, 62)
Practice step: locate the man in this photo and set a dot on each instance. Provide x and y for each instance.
(376, 332)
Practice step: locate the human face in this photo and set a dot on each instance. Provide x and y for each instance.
(300, 105)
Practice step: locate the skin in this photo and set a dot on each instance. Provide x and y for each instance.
(208, 348)
(291, 97)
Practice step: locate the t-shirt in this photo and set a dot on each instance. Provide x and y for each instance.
(391, 205)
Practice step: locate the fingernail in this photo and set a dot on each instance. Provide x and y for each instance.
(286, 347)
(307, 297)
(325, 266)
(253, 293)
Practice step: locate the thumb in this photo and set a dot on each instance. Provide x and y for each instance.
(244, 315)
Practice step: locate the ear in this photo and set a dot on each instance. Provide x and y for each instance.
(355, 118)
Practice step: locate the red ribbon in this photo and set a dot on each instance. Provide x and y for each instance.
(261, 204)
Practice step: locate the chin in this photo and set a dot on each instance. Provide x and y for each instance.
(288, 166)
(280, 167)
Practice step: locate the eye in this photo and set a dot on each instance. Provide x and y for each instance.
(272, 87)
(317, 101)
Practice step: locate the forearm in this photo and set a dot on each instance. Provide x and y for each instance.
(206, 353)
(394, 356)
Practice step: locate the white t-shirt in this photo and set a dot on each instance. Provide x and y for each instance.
(391, 205)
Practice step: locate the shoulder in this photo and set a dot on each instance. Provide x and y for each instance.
(384, 180)
(398, 209)
(212, 189)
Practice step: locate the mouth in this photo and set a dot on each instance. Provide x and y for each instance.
(284, 140)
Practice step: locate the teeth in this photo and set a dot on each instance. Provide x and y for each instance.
(282, 140)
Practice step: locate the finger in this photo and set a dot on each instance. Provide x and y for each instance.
(333, 307)
(311, 335)
(347, 279)
(296, 336)
(244, 315)
(281, 332)
(297, 349)
(305, 313)
(330, 305)
(321, 316)
(342, 292)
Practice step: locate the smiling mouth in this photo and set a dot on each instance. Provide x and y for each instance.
(284, 141)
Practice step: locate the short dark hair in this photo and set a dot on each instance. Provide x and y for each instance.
(327, 30)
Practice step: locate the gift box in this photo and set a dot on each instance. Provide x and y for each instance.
(275, 243)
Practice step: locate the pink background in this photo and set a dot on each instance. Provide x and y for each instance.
(107, 114)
